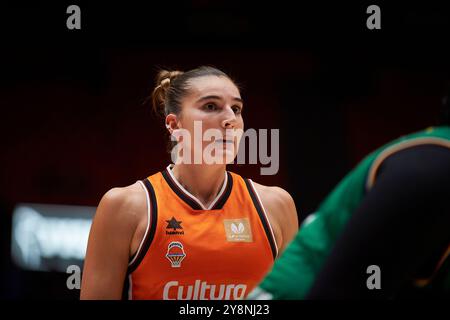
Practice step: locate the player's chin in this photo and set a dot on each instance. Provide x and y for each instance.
(225, 156)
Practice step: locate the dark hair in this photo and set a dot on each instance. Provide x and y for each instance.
(172, 86)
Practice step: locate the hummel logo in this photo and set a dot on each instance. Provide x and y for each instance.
(174, 224)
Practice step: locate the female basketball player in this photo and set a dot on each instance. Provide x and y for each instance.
(192, 231)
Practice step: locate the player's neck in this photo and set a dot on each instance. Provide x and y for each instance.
(203, 181)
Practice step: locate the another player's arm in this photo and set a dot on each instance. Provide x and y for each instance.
(280, 207)
(108, 247)
(399, 226)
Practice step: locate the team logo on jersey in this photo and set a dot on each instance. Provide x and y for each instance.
(238, 230)
(175, 253)
(174, 225)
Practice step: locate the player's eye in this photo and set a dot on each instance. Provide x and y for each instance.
(210, 106)
(237, 109)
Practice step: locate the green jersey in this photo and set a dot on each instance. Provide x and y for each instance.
(294, 272)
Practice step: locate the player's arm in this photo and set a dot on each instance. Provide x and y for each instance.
(281, 208)
(401, 224)
(286, 213)
(108, 247)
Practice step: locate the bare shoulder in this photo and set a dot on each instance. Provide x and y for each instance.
(274, 191)
(128, 196)
(123, 203)
(276, 196)
(280, 207)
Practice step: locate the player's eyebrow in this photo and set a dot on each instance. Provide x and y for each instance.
(218, 98)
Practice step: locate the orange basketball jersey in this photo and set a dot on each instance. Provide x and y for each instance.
(192, 252)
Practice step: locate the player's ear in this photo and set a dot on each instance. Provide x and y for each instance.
(171, 122)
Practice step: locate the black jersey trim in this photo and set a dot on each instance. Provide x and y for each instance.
(262, 217)
(191, 202)
(226, 194)
(152, 229)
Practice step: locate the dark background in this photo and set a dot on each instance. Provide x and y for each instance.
(74, 121)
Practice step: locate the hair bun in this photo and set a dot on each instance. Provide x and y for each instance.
(159, 95)
(165, 82)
